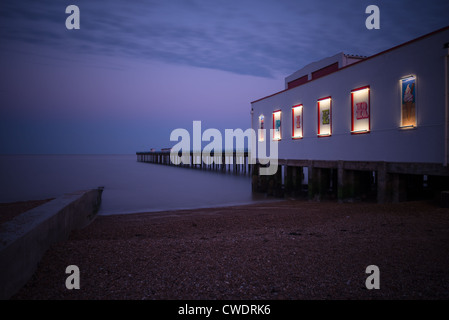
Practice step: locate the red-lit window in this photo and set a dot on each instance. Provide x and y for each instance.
(360, 110)
(324, 117)
(261, 128)
(277, 129)
(297, 124)
(408, 102)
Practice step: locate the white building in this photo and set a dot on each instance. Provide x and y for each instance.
(387, 114)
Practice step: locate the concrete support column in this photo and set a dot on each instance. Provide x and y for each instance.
(334, 182)
(263, 180)
(278, 190)
(345, 183)
(273, 181)
(288, 178)
(340, 182)
(382, 183)
(236, 164)
(255, 177)
(324, 176)
(244, 164)
(314, 178)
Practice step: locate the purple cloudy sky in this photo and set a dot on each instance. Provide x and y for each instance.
(136, 70)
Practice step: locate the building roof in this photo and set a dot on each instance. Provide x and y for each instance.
(320, 68)
(333, 64)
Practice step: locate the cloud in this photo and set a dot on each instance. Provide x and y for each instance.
(260, 38)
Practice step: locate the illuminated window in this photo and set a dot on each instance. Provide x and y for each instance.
(408, 102)
(325, 117)
(261, 127)
(360, 110)
(277, 125)
(297, 122)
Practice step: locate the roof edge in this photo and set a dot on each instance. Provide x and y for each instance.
(368, 58)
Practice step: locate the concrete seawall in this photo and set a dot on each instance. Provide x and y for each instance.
(24, 240)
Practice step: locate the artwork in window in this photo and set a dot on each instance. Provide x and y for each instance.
(408, 102)
(324, 117)
(277, 125)
(297, 122)
(360, 110)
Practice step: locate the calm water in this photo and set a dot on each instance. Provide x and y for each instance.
(129, 186)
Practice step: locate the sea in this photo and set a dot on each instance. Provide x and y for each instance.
(129, 186)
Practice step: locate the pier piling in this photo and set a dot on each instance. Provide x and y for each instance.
(322, 180)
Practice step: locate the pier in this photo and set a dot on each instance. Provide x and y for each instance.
(236, 162)
(342, 181)
(347, 181)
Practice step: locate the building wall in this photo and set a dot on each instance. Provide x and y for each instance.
(386, 141)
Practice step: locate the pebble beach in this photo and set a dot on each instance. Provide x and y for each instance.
(283, 250)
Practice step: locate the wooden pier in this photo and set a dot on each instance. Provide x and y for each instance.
(236, 162)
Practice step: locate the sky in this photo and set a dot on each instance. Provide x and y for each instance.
(136, 70)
